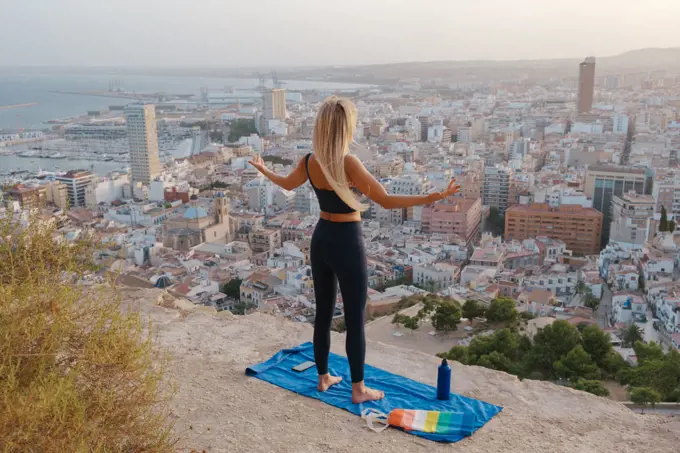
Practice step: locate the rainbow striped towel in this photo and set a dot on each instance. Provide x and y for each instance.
(434, 422)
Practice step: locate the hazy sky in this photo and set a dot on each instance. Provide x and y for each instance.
(311, 32)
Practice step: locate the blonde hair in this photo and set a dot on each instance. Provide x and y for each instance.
(333, 132)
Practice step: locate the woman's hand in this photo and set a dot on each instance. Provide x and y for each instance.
(258, 163)
(450, 190)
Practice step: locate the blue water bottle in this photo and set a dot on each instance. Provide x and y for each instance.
(444, 381)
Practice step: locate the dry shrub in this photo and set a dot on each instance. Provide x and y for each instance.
(77, 373)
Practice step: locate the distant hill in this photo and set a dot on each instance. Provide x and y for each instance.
(642, 60)
(651, 58)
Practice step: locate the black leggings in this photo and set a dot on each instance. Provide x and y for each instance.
(338, 256)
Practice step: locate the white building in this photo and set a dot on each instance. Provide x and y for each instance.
(631, 214)
(627, 307)
(587, 128)
(260, 192)
(276, 127)
(668, 312)
(497, 187)
(464, 134)
(253, 140)
(111, 188)
(283, 199)
(438, 275)
(157, 190)
(620, 124)
(143, 141)
(557, 196)
(76, 182)
(560, 284)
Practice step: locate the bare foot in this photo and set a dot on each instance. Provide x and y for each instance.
(361, 394)
(326, 380)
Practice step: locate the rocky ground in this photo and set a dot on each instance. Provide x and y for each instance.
(218, 409)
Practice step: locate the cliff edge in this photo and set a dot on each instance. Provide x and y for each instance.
(218, 409)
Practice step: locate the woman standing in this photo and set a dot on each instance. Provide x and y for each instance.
(337, 249)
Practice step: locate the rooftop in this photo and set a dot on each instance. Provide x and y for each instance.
(546, 209)
(195, 212)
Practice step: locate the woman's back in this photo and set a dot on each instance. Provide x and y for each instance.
(329, 200)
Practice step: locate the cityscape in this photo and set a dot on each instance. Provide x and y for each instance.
(562, 235)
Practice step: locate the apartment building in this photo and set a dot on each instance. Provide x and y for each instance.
(578, 227)
(274, 104)
(631, 216)
(29, 197)
(264, 240)
(666, 193)
(604, 182)
(458, 216)
(76, 182)
(496, 189)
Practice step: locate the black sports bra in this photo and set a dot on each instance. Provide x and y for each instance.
(329, 201)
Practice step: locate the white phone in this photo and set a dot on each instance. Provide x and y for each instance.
(303, 366)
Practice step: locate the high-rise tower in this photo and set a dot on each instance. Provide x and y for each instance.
(586, 85)
(142, 135)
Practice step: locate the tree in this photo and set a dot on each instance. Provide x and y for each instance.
(590, 386)
(613, 364)
(472, 309)
(409, 322)
(495, 361)
(233, 288)
(277, 160)
(241, 128)
(495, 222)
(398, 319)
(580, 287)
(596, 343)
(218, 185)
(671, 226)
(575, 365)
(646, 352)
(446, 317)
(643, 396)
(674, 396)
(663, 223)
(591, 302)
(661, 375)
(502, 310)
(459, 354)
(79, 371)
(216, 136)
(550, 344)
(431, 286)
(632, 334)
(242, 308)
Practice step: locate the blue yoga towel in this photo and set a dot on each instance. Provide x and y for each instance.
(400, 392)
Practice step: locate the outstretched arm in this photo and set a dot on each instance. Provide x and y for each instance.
(295, 179)
(369, 186)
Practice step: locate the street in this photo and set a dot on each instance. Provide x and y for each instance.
(604, 311)
(648, 328)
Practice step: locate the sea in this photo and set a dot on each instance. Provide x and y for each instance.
(32, 87)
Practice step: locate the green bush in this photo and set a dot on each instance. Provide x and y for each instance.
(502, 310)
